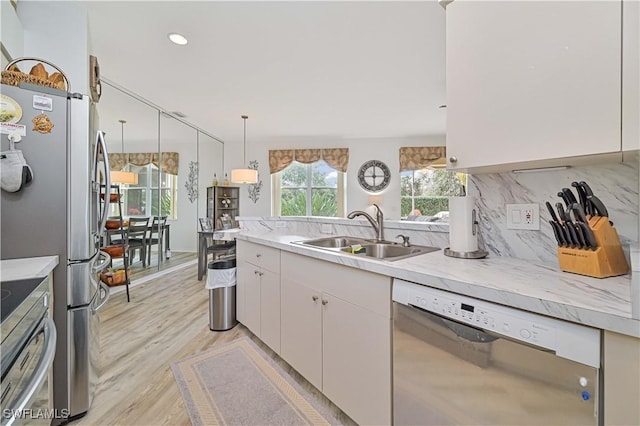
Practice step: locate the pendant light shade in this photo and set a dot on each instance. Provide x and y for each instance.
(244, 176)
(123, 176)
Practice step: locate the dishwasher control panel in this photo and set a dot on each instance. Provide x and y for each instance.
(570, 340)
(517, 326)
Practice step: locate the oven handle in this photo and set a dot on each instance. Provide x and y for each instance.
(42, 368)
(464, 331)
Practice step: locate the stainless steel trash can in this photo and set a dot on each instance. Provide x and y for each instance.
(222, 299)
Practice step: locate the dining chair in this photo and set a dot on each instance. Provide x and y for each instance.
(137, 238)
(157, 228)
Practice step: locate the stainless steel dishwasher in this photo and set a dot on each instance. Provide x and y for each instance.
(458, 360)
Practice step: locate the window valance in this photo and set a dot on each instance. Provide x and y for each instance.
(419, 157)
(168, 160)
(336, 158)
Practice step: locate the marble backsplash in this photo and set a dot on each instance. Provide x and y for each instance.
(615, 184)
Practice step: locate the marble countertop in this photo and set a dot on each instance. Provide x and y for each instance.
(28, 267)
(543, 289)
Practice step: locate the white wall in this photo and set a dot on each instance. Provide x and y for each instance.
(360, 150)
(11, 30)
(58, 31)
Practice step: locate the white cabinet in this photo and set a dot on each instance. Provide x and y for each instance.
(258, 291)
(336, 332)
(530, 82)
(631, 75)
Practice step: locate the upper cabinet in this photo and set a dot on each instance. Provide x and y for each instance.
(630, 75)
(533, 83)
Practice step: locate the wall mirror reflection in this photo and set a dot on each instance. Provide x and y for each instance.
(161, 166)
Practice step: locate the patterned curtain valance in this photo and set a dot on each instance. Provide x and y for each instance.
(168, 160)
(419, 157)
(336, 158)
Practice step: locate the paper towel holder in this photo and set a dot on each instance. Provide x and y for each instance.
(476, 254)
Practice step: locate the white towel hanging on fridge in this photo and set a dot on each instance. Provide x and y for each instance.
(15, 173)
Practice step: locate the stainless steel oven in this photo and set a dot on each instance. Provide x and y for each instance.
(28, 348)
(458, 360)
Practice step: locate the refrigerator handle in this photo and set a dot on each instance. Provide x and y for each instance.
(101, 144)
(99, 267)
(103, 300)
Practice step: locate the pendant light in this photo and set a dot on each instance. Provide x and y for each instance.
(123, 176)
(244, 176)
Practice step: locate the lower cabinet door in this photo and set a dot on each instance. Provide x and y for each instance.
(270, 309)
(357, 361)
(301, 331)
(249, 279)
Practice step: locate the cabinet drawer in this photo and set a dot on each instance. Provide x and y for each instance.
(259, 255)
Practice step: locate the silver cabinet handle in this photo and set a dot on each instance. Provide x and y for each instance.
(315, 298)
(453, 159)
(324, 301)
(258, 255)
(255, 272)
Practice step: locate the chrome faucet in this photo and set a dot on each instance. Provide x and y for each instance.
(377, 224)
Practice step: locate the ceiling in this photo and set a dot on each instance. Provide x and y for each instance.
(334, 70)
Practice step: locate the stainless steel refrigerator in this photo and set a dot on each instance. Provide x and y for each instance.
(59, 213)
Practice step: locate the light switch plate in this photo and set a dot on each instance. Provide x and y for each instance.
(523, 216)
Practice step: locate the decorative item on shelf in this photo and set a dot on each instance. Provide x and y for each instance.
(123, 176)
(38, 75)
(215, 180)
(114, 277)
(226, 203)
(192, 182)
(248, 175)
(254, 188)
(226, 180)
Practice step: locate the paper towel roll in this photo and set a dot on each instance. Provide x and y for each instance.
(461, 238)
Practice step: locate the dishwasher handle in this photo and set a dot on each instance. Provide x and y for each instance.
(472, 334)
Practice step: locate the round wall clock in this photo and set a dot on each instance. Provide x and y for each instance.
(374, 176)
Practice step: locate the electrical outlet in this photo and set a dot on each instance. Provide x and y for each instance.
(281, 224)
(326, 228)
(523, 216)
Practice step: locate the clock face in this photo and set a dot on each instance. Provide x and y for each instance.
(374, 176)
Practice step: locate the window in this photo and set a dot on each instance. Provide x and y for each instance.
(153, 186)
(313, 189)
(424, 192)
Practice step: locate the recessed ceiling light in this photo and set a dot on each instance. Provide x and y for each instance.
(178, 39)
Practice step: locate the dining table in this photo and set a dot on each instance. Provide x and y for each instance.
(166, 237)
(216, 235)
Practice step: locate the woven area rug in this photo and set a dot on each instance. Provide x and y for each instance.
(239, 384)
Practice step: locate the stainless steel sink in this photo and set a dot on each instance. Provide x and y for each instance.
(391, 251)
(387, 250)
(334, 242)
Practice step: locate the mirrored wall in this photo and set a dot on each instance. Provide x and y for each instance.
(173, 163)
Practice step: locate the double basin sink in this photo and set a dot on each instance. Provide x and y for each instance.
(386, 250)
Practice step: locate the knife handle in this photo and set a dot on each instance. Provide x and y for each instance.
(557, 231)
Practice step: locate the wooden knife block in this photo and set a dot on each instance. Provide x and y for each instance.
(607, 260)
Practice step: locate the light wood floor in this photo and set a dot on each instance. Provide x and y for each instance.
(166, 320)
